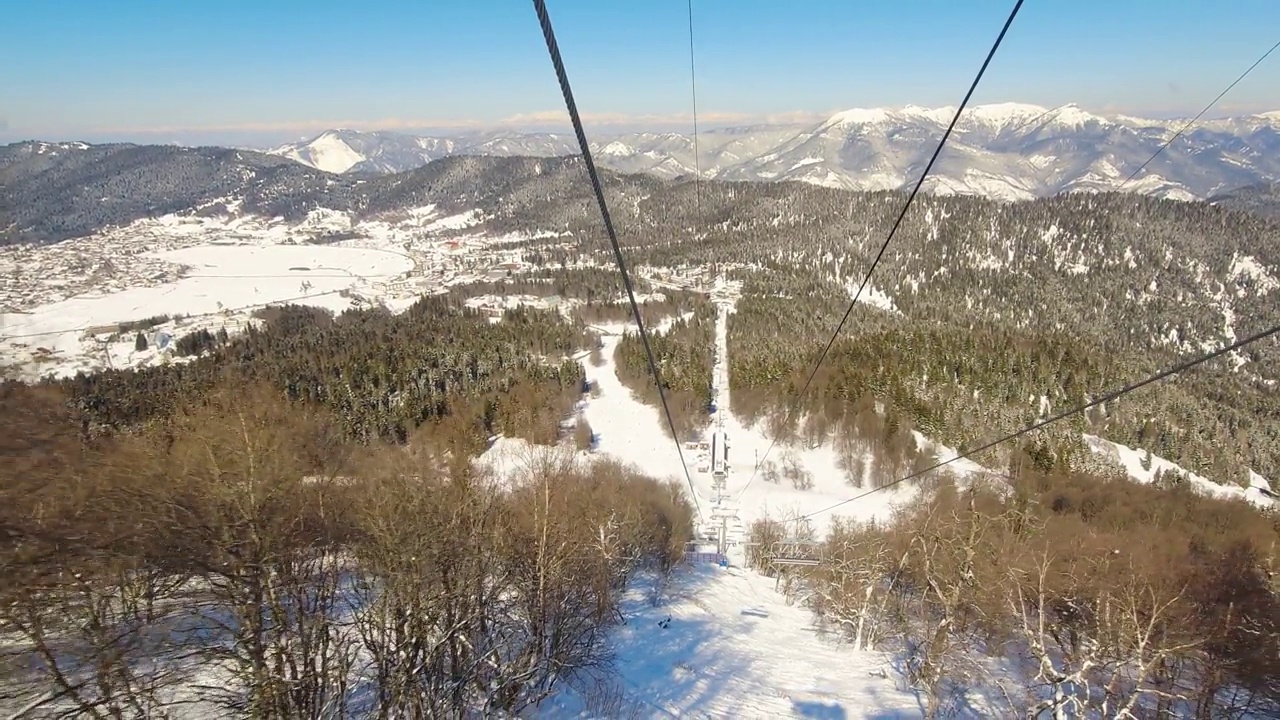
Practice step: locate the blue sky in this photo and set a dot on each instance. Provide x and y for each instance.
(240, 70)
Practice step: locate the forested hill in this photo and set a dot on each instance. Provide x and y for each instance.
(1263, 199)
(994, 310)
(52, 192)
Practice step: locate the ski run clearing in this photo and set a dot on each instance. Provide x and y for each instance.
(723, 643)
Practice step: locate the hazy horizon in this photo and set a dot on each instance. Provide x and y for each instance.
(267, 139)
(252, 74)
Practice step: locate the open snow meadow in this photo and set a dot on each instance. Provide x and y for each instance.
(62, 306)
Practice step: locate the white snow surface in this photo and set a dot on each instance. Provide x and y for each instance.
(1131, 460)
(735, 649)
(1247, 266)
(61, 304)
(220, 278)
(631, 432)
(330, 154)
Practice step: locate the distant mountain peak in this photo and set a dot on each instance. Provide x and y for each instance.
(859, 116)
(1007, 150)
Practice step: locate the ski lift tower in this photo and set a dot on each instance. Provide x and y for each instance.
(719, 458)
(719, 453)
(719, 480)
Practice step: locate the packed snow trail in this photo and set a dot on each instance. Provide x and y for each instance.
(734, 648)
(749, 445)
(627, 428)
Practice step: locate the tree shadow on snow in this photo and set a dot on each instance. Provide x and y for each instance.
(819, 710)
(676, 657)
(679, 666)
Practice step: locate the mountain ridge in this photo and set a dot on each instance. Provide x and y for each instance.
(1011, 151)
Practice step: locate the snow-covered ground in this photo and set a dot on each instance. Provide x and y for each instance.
(220, 279)
(734, 648)
(60, 305)
(632, 432)
(1131, 460)
(748, 494)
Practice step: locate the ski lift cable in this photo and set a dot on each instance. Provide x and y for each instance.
(892, 231)
(1114, 394)
(562, 76)
(693, 85)
(1193, 120)
(1135, 173)
(1176, 135)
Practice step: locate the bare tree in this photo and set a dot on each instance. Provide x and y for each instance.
(263, 534)
(943, 604)
(856, 582)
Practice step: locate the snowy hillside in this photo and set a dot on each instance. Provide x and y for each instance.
(633, 433)
(1007, 150)
(341, 151)
(1263, 199)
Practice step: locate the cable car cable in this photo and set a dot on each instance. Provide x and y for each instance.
(1193, 120)
(553, 49)
(1176, 369)
(693, 84)
(892, 231)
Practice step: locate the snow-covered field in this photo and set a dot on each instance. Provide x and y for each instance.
(60, 305)
(221, 280)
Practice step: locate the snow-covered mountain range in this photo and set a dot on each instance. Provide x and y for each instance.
(1009, 150)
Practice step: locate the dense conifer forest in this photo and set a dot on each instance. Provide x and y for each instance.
(684, 351)
(381, 374)
(984, 316)
(967, 384)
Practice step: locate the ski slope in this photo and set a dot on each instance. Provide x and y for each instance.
(632, 432)
(735, 649)
(748, 494)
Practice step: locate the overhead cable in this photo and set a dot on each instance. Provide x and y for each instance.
(892, 231)
(1193, 120)
(553, 49)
